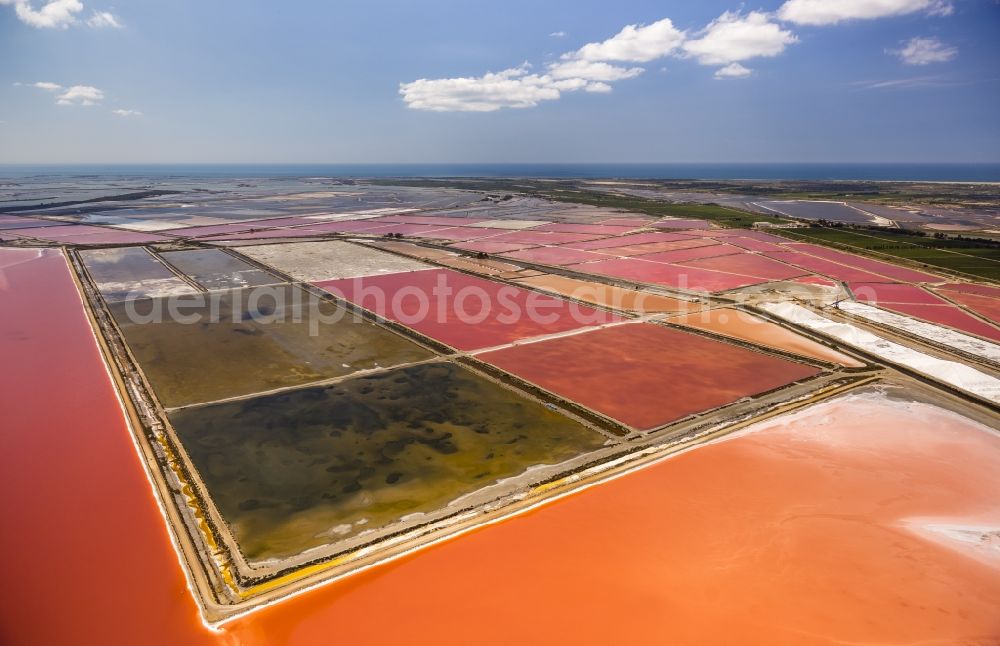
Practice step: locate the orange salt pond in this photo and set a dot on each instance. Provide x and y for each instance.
(820, 527)
(858, 520)
(746, 327)
(609, 295)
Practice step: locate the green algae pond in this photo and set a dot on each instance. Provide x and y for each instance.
(236, 343)
(305, 468)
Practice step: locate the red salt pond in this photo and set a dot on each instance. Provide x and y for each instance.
(655, 247)
(876, 293)
(748, 264)
(813, 529)
(466, 233)
(825, 267)
(462, 311)
(985, 306)
(884, 268)
(557, 256)
(973, 288)
(724, 234)
(753, 244)
(758, 235)
(531, 236)
(84, 234)
(646, 375)
(416, 230)
(629, 240)
(351, 226)
(702, 251)
(947, 315)
(599, 229)
(89, 556)
(488, 246)
(658, 273)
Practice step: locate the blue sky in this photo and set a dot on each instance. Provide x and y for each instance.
(379, 81)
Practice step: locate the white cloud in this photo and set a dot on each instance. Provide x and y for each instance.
(923, 51)
(732, 37)
(511, 88)
(830, 12)
(45, 85)
(558, 34)
(54, 14)
(104, 20)
(634, 43)
(592, 71)
(732, 71)
(127, 113)
(80, 95)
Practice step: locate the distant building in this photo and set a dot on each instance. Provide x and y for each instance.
(783, 225)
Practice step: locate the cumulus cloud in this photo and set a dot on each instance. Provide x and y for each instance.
(54, 14)
(634, 43)
(830, 12)
(127, 113)
(726, 42)
(59, 14)
(80, 95)
(587, 69)
(558, 34)
(511, 88)
(732, 37)
(732, 71)
(924, 51)
(104, 20)
(592, 71)
(77, 95)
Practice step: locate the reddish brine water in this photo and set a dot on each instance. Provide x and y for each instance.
(89, 559)
(646, 375)
(859, 520)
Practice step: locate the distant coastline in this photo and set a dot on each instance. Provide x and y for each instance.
(916, 172)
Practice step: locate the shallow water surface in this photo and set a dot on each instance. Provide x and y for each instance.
(308, 467)
(240, 342)
(131, 272)
(216, 269)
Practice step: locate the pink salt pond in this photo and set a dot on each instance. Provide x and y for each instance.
(462, 311)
